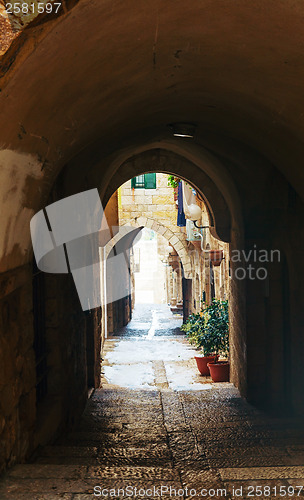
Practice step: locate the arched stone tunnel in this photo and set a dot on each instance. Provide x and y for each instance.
(86, 101)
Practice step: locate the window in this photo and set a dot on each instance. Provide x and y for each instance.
(144, 181)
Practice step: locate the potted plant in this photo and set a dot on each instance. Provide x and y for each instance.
(217, 326)
(216, 257)
(209, 331)
(195, 331)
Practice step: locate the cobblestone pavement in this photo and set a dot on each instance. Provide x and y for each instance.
(154, 318)
(203, 441)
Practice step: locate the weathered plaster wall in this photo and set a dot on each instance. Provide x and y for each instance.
(20, 194)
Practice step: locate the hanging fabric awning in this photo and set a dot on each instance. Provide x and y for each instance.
(189, 197)
(181, 219)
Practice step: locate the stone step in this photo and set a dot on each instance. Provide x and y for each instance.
(67, 482)
(89, 455)
(49, 471)
(94, 438)
(69, 451)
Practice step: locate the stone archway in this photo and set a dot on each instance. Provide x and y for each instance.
(174, 238)
(204, 173)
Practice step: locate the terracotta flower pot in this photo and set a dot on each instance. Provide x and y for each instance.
(202, 362)
(197, 244)
(216, 257)
(219, 371)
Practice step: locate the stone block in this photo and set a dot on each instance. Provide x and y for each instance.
(162, 229)
(28, 374)
(9, 397)
(140, 209)
(178, 246)
(165, 191)
(7, 363)
(173, 240)
(27, 409)
(2, 423)
(168, 234)
(150, 223)
(162, 200)
(52, 317)
(129, 207)
(160, 214)
(127, 199)
(142, 221)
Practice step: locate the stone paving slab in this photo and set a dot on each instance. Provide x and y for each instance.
(57, 486)
(84, 461)
(33, 489)
(140, 473)
(191, 476)
(69, 451)
(35, 471)
(196, 439)
(41, 496)
(265, 461)
(242, 450)
(161, 452)
(262, 473)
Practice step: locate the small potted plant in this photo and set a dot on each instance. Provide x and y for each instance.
(217, 326)
(195, 331)
(216, 257)
(209, 330)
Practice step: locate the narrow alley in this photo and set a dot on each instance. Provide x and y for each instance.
(164, 431)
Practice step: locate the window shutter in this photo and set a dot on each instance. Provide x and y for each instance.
(150, 181)
(138, 182)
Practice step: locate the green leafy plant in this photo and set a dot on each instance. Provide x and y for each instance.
(173, 181)
(194, 328)
(209, 329)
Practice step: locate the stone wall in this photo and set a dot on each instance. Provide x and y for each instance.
(157, 204)
(275, 308)
(17, 367)
(73, 340)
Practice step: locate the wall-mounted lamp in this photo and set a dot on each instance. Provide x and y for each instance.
(169, 249)
(195, 214)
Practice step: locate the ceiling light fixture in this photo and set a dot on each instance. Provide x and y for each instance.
(185, 130)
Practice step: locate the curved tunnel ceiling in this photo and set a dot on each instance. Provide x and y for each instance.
(108, 69)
